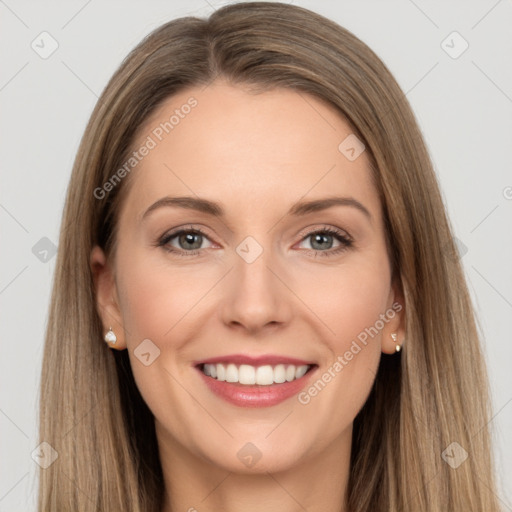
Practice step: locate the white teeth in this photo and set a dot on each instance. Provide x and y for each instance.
(279, 374)
(251, 375)
(246, 374)
(301, 371)
(264, 375)
(290, 373)
(221, 372)
(231, 373)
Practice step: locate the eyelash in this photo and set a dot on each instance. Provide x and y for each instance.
(346, 242)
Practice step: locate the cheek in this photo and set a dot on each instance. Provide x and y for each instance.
(154, 298)
(347, 300)
(351, 302)
(156, 304)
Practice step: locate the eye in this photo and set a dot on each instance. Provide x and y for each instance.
(189, 241)
(322, 241)
(184, 242)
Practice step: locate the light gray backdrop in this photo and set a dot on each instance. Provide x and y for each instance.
(462, 98)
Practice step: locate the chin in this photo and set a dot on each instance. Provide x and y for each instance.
(256, 455)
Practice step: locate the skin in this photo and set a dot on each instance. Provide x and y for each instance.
(256, 154)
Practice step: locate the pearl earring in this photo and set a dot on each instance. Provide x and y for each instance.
(398, 347)
(110, 337)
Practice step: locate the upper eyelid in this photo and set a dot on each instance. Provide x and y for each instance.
(174, 233)
(333, 231)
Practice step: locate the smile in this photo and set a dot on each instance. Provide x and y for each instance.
(250, 375)
(261, 381)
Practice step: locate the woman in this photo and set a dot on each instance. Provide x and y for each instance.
(257, 303)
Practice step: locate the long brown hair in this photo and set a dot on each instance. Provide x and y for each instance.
(432, 394)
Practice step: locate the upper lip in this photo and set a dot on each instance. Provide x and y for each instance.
(261, 360)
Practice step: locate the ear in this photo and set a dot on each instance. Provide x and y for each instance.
(107, 303)
(395, 320)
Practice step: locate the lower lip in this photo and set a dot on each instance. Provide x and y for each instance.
(255, 396)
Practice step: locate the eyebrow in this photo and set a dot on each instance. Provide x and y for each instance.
(298, 209)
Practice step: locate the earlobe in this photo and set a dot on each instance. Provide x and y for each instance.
(393, 340)
(398, 346)
(393, 335)
(107, 304)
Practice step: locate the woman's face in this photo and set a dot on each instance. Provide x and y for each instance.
(269, 281)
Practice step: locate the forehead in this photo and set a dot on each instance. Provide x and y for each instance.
(228, 143)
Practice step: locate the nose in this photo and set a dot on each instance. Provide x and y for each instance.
(256, 297)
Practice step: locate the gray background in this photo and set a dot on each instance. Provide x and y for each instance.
(463, 105)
